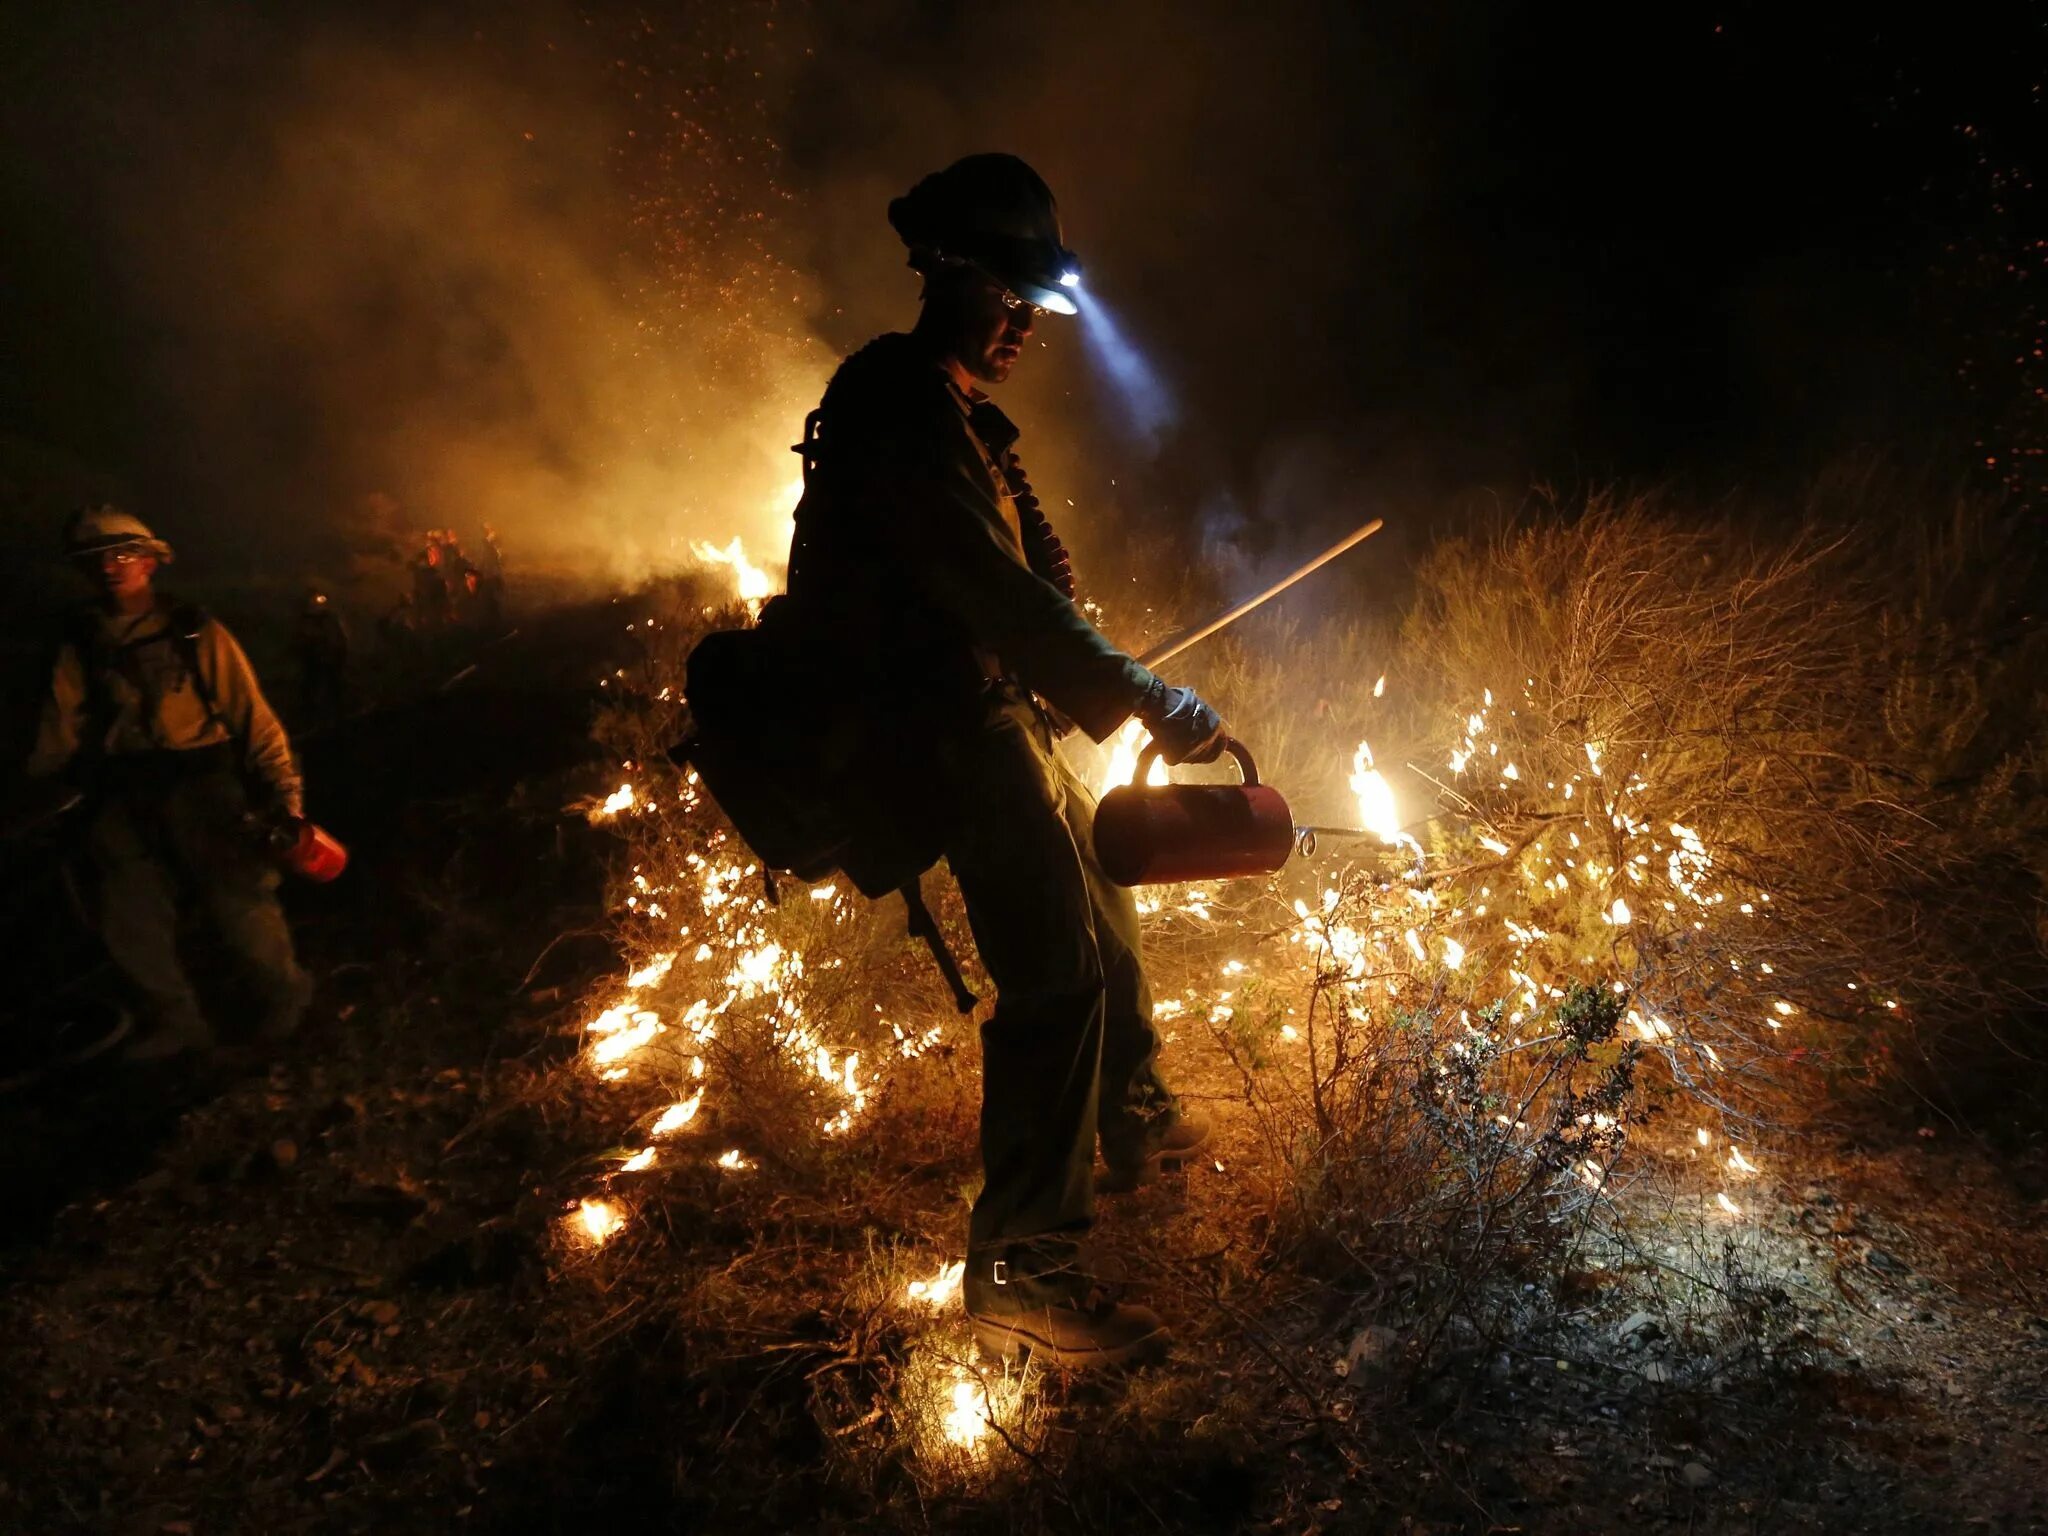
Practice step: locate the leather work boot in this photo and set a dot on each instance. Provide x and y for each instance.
(1131, 1168)
(1061, 1319)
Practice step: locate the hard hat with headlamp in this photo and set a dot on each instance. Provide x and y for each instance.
(95, 531)
(995, 214)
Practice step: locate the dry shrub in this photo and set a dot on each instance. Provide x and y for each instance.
(1424, 1146)
(1844, 717)
(1721, 813)
(1805, 760)
(810, 1015)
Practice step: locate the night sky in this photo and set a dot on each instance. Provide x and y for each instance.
(582, 265)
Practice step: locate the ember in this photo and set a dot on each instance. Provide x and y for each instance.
(941, 1288)
(967, 1419)
(597, 1221)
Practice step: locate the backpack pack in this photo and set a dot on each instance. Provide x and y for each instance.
(769, 761)
(786, 756)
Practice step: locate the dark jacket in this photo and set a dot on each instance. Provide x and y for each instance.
(907, 554)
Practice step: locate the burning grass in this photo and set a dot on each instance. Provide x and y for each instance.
(1669, 834)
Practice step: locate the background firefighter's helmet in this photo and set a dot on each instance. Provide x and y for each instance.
(95, 530)
(996, 213)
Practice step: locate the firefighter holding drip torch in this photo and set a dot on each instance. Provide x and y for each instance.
(155, 714)
(921, 547)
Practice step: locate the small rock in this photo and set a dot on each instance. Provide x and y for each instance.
(382, 1313)
(1889, 1263)
(1657, 1371)
(1645, 1324)
(1696, 1474)
(1371, 1346)
(284, 1152)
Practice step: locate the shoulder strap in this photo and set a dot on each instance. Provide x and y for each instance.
(923, 926)
(188, 623)
(997, 432)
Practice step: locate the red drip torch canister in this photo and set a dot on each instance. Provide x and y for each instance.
(1157, 834)
(315, 853)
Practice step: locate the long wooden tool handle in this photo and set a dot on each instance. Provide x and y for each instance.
(1173, 645)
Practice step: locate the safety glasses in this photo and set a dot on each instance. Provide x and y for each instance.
(1012, 302)
(1022, 307)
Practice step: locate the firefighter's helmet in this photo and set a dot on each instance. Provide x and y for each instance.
(93, 531)
(995, 213)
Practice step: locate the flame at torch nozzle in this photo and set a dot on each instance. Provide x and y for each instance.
(1376, 809)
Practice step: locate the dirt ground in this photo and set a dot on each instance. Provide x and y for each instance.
(323, 1290)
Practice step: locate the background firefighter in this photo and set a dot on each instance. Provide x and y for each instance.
(490, 570)
(320, 645)
(154, 710)
(918, 533)
(433, 600)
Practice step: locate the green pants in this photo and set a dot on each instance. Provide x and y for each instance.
(170, 833)
(1070, 1051)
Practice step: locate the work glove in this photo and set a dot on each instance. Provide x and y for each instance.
(1186, 729)
(271, 827)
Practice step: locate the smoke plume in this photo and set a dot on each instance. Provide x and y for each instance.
(301, 281)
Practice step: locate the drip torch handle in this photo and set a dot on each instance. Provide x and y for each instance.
(1236, 748)
(1165, 650)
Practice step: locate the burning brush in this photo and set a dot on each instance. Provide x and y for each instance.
(1540, 884)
